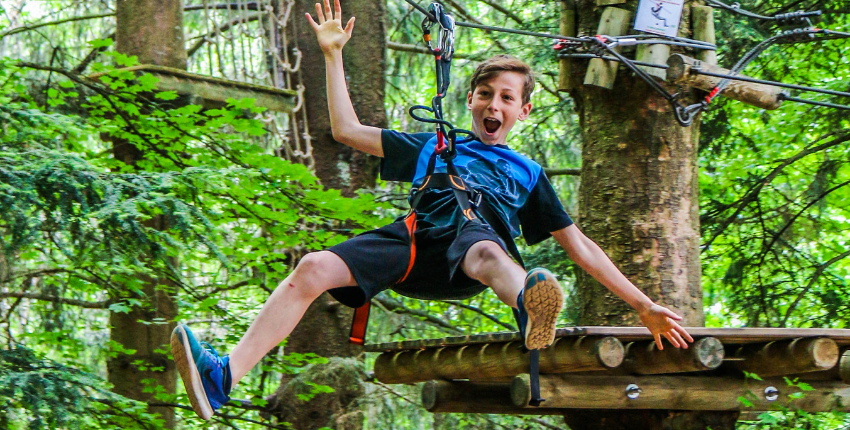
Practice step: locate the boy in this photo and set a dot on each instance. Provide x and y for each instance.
(435, 253)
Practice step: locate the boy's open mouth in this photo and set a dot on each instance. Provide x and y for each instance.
(491, 125)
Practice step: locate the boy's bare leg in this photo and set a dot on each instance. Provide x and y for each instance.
(488, 263)
(316, 273)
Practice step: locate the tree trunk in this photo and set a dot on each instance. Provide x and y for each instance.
(153, 31)
(324, 329)
(639, 193)
(638, 200)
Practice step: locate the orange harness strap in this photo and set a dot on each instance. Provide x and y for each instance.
(361, 314)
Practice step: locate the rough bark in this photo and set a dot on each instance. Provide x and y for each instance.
(324, 329)
(339, 166)
(639, 194)
(153, 31)
(638, 200)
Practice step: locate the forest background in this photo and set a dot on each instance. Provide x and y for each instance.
(125, 208)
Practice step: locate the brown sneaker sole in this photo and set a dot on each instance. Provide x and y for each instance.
(543, 301)
(182, 353)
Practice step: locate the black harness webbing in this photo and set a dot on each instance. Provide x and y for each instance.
(473, 204)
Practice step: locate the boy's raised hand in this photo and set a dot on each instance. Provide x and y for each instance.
(329, 29)
(662, 322)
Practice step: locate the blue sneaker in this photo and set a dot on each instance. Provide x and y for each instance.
(539, 304)
(205, 375)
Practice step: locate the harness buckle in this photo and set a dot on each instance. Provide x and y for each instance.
(475, 198)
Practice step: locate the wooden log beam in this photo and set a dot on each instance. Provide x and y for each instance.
(784, 357)
(703, 24)
(215, 89)
(680, 72)
(653, 54)
(494, 361)
(601, 73)
(566, 73)
(475, 398)
(844, 367)
(644, 358)
(688, 393)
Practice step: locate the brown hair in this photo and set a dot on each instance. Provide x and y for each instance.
(495, 65)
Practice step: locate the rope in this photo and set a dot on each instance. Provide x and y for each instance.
(798, 17)
(678, 41)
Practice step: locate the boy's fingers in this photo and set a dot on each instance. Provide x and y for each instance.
(684, 332)
(671, 339)
(319, 14)
(349, 27)
(312, 23)
(658, 341)
(329, 14)
(671, 314)
(337, 11)
(679, 339)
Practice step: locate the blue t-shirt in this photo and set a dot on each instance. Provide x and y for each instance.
(515, 186)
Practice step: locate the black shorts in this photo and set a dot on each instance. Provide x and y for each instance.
(426, 268)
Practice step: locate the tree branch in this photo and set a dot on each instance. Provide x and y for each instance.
(227, 26)
(55, 299)
(480, 312)
(504, 10)
(818, 272)
(754, 191)
(556, 172)
(398, 308)
(46, 24)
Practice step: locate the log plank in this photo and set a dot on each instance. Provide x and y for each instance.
(601, 73)
(494, 361)
(689, 393)
(788, 356)
(644, 357)
(679, 72)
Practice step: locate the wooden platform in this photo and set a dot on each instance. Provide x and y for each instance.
(214, 89)
(725, 335)
(622, 368)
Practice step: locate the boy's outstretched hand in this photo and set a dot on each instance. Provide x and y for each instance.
(662, 322)
(329, 29)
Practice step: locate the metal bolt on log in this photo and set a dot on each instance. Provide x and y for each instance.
(685, 393)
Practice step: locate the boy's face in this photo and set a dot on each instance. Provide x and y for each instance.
(496, 105)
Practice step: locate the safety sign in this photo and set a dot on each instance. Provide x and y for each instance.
(659, 16)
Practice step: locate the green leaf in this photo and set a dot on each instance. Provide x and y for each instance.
(166, 95)
(100, 43)
(119, 308)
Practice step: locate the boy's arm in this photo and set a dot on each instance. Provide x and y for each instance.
(345, 126)
(590, 257)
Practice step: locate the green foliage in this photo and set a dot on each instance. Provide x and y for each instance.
(774, 186)
(37, 393)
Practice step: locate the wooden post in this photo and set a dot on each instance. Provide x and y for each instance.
(601, 73)
(474, 398)
(787, 356)
(644, 358)
(680, 72)
(494, 361)
(566, 78)
(684, 393)
(703, 23)
(655, 54)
